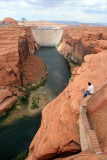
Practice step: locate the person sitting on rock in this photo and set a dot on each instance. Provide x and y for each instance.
(90, 90)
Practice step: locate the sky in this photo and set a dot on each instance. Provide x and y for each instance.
(93, 11)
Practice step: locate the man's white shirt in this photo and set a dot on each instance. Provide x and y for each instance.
(91, 89)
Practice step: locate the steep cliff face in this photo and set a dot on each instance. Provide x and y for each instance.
(81, 41)
(16, 43)
(16, 46)
(59, 132)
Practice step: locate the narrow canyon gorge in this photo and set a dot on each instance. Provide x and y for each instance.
(17, 62)
(85, 48)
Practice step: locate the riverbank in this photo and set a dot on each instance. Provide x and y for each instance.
(73, 62)
(42, 92)
(23, 123)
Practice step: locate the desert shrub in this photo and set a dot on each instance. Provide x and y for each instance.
(14, 94)
(29, 89)
(34, 104)
(46, 67)
(28, 84)
(20, 89)
(22, 98)
(15, 86)
(8, 112)
(21, 156)
(71, 79)
(38, 98)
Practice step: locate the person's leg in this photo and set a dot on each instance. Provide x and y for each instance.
(90, 94)
(85, 94)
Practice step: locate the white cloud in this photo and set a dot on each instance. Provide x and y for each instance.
(90, 2)
(33, 0)
(24, 4)
(82, 10)
(104, 7)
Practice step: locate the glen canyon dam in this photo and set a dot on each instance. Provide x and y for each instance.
(47, 37)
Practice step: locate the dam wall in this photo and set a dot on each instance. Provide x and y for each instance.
(47, 37)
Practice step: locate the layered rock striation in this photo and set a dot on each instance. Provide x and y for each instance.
(16, 44)
(81, 41)
(17, 48)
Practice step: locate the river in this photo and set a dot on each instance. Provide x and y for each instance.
(16, 136)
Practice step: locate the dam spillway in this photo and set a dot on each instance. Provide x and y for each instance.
(47, 37)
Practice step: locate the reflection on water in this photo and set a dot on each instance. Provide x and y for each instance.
(17, 132)
(15, 138)
(59, 71)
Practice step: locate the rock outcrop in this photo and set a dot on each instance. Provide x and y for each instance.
(17, 48)
(85, 155)
(9, 20)
(81, 41)
(34, 70)
(6, 99)
(16, 44)
(100, 45)
(59, 132)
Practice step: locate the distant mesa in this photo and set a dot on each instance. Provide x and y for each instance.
(9, 20)
(83, 25)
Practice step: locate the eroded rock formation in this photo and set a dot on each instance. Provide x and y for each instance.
(16, 45)
(59, 132)
(17, 48)
(81, 41)
(34, 70)
(9, 20)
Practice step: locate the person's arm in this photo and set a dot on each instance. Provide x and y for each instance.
(88, 89)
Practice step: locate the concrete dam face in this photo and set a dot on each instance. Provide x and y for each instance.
(47, 37)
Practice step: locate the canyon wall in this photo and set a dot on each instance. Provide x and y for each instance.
(16, 44)
(81, 41)
(59, 134)
(18, 64)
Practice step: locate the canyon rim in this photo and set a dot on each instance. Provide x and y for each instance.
(58, 136)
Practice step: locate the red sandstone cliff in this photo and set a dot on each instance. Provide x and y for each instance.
(81, 41)
(59, 132)
(16, 44)
(16, 52)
